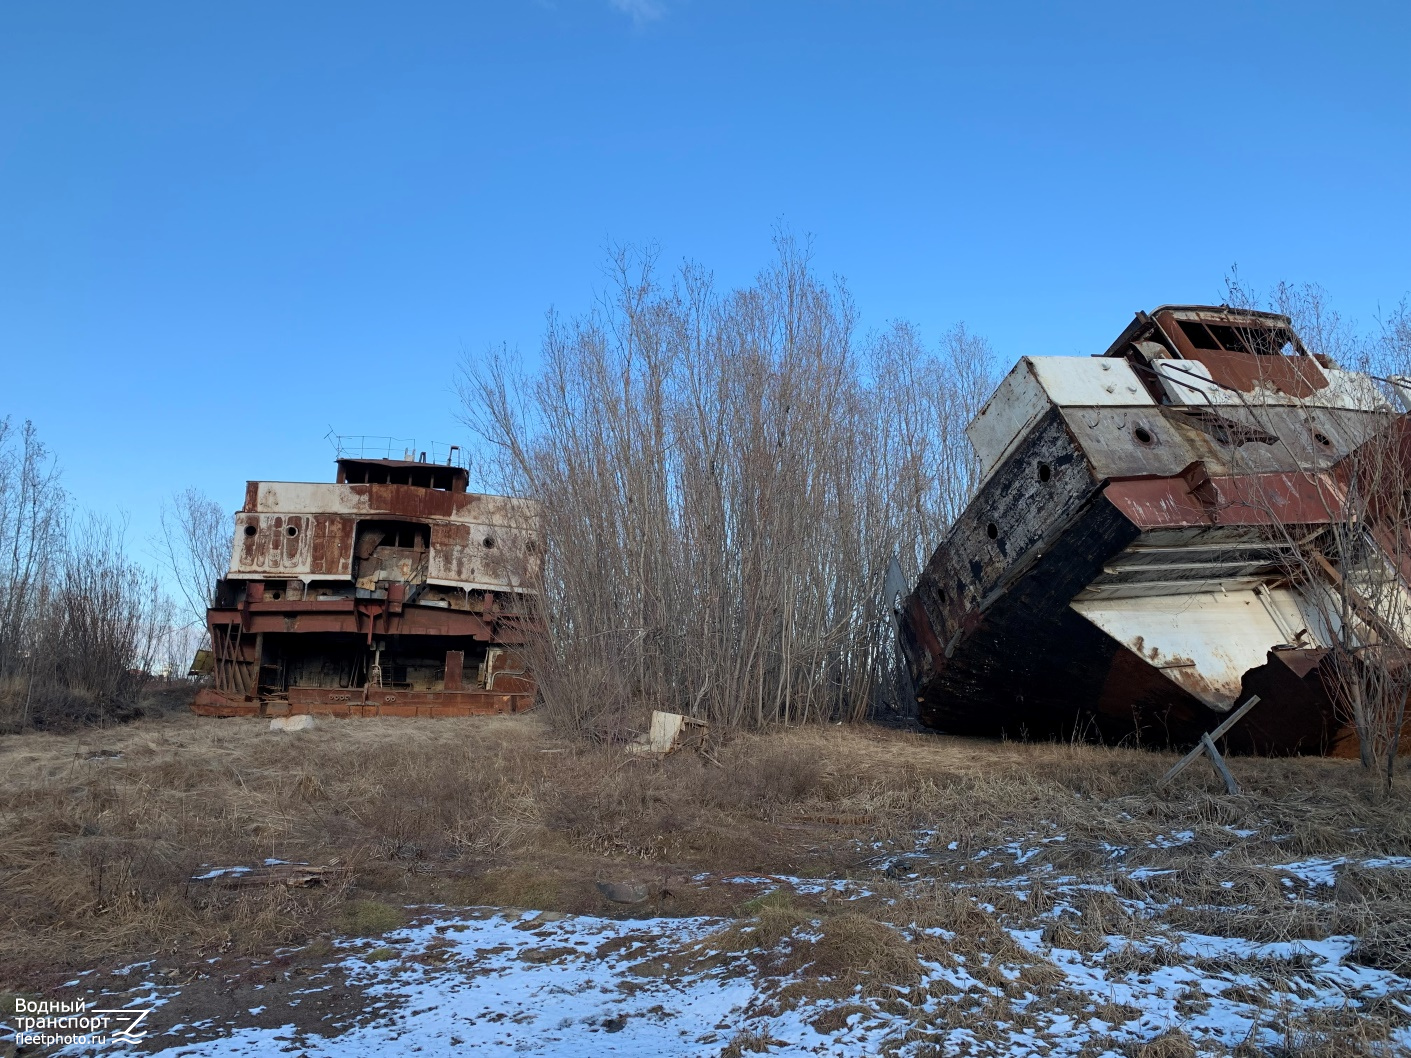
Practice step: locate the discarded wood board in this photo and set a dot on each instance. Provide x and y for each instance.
(668, 733)
(293, 875)
(1207, 747)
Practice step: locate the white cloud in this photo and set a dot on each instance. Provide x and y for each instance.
(641, 11)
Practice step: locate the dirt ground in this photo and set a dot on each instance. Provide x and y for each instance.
(112, 844)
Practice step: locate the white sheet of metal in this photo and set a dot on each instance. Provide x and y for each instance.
(1037, 383)
(313, 497)
(1204, 642)
(1189, 382)
(1090, 382)
(1007, 416)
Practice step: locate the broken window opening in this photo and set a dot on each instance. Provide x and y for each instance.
(1198, 336)
(407, 536)
(1228, 337)
(1262, 341)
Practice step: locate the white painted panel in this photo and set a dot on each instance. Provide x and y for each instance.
(1037, 383)
(280, 497)
(1188, 382)
(1349, 389)
(1007, 416)
(1223, 634)
(311, 497)
(1087, 381)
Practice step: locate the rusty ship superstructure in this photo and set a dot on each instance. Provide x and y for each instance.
(391, 591)
(1128, 565)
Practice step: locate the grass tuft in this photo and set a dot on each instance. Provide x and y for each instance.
(372, 918)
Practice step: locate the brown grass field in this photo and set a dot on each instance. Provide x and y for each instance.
(103, 831)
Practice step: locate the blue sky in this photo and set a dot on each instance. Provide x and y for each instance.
(226, 228)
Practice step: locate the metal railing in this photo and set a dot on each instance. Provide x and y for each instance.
(366, 446)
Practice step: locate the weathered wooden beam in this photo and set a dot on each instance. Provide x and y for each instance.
(1218, 763)
(1229, 722)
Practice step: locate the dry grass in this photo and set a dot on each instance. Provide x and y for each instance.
(97, 851)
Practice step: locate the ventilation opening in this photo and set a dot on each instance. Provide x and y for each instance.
(1045, 471)
(1322, 439)
(489, 542)
(250, 530)
(1143, 435)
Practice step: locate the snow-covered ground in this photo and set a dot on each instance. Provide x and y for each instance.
(545, 991)
(494, 981)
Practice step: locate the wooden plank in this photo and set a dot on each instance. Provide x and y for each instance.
(1218, 762)
(1229, 722)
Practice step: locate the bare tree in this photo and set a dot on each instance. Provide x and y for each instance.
(717, 489)
(80, 622)
(1351, 565)
(32, 505)
(104, 627)
(924, 401)
(194, 547)
(1321, 327)
(1351, 573)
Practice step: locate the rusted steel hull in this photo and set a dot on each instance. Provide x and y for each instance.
(1029, 666)
(392, 592)
(328, 702)
(1123, 571)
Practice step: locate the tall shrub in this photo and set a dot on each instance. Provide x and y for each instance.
(722, 478)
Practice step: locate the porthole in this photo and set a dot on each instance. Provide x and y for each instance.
(250, 530)
(1143, 436)
(1045, 471)
(992, 531)
(291, 530)
(489, 542)
(1322, 439)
